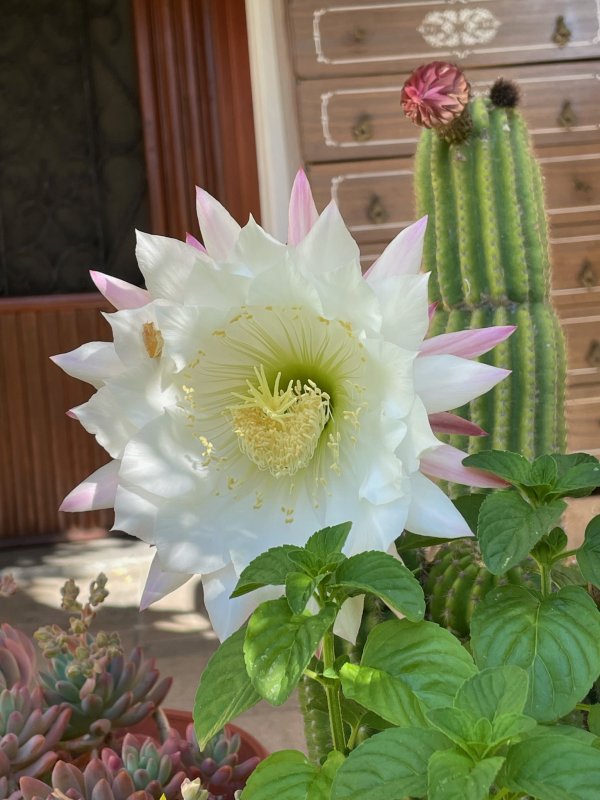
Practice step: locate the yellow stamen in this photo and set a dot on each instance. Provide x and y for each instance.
(153, 340)
(279, 430)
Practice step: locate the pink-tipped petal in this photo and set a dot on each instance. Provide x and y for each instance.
(219, 229)
(467, 344)
(96, 491)
(444, 422)
(431, 310)
(403, 254)
(191, 240)
(120, 294)
(159, 584)
(71, 414)
(445, 462)
(303, 212)
(445, 382)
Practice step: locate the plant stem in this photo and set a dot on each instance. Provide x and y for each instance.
(332, 692)
(546, 579)
(566, 554)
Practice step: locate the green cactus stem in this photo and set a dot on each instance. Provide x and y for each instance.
(486, 246)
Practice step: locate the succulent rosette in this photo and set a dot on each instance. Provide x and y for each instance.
(256, 392)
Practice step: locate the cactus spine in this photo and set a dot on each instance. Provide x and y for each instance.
(487, 249)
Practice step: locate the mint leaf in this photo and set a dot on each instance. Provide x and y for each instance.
(588, 555)
(289, 775)
(279, 646)
(412, 541)
(513, 467)
(509, 528)
(493, 692)
(391, 764)
(268, 569)
(555, 639)
(543, 472)
(469, 505)
(387, 696)
(424, 656)
(593, 720)
(219, 701)
(385, 577)
(459, 726)
(298, 589)
(327, 542)
(454, 776)
(553, 767)
(579, 476)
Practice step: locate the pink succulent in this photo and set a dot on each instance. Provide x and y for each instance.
(435, 94)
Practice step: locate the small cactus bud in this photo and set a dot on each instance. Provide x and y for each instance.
(436, 95)
(505, 94)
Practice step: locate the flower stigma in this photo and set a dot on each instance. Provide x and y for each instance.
(279, 429)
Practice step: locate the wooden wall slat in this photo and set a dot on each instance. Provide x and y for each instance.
(44, 453)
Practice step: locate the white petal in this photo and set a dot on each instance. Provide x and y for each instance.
(97, 491)
(403, 302)
(135, 512)
(347, 622)
(172, 269)
(120, 293)
(93, 362)
(432, 513)
(403, 254)
(256, 250)
(102, 416)
(467, 344)
(446, 382)
(159, 583)
(284, 286)
(329, 244)
(219, 230)
(228, 614)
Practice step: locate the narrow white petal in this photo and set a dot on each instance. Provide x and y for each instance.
(97, 491)
(467, 344)
(446, 382)
(403, 302)
(403, 254)
(227, 615)
(102, 416)
(93, 362)
(328, 245)
(347, 622)
(432, 513)
(256, 250)
(173, 270)
(219, 230)
(159, 583)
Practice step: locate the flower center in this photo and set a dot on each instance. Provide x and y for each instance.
(279, 430)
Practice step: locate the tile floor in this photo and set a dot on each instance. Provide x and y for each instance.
(175, 630)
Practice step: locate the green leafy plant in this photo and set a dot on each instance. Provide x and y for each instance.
(449, 722)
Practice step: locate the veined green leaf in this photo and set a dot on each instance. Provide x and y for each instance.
(454, 776)
(388, 697)
(268, 569)
(588, 555)
(328, 541)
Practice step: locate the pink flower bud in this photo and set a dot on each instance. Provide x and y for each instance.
(435, 94)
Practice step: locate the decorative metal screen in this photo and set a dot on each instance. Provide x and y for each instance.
(72, 172)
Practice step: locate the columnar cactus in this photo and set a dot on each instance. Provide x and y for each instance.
(486, 247)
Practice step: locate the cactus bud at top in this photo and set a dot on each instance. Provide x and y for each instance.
(436, 95)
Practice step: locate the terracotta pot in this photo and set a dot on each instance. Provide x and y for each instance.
(181, 719)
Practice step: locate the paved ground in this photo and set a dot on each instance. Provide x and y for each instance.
(175, 631)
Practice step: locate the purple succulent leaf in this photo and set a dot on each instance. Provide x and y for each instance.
(124, 673)
(92, 706)
(105, 685)
(88, 688)
(221, 777)
(119, 707)
(64, 691)
(30, 750)
(160, 691)
(221, 750)
(165, 768)
(67, 777)
(38, 767)
(9, 745)
(174, 785)
(134, 715)
(123, 785)
(101, 791)
(58, 727)
(34, 789)
(145, 679)
(242, 771)
(111, 760)
(208, 766)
